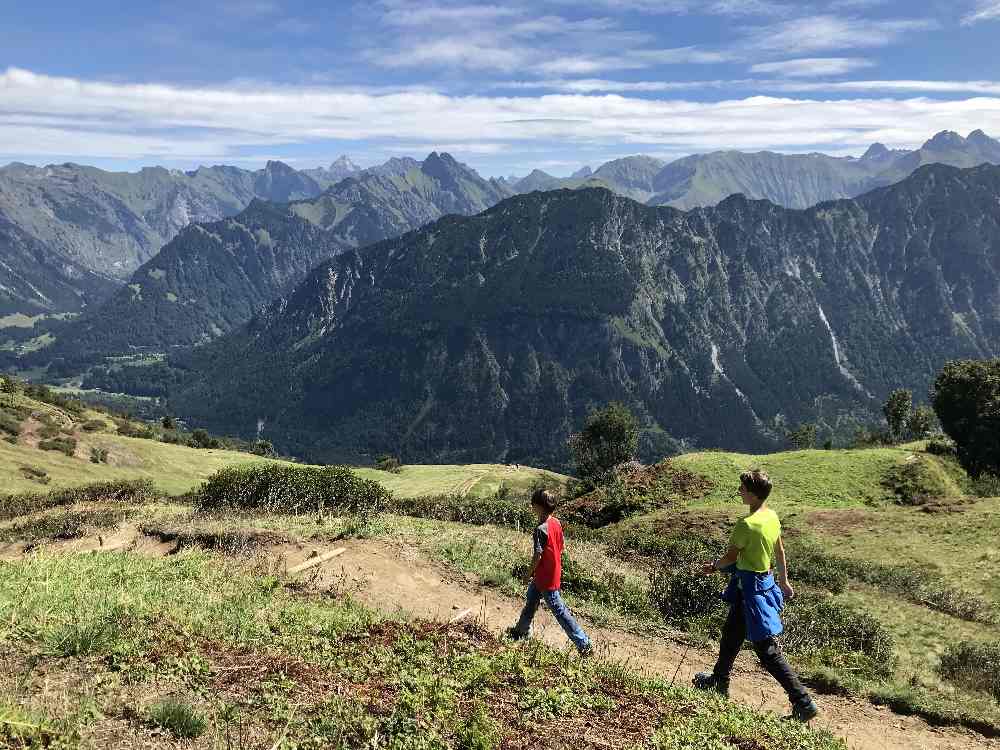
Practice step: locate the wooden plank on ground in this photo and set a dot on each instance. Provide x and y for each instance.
(318, 560)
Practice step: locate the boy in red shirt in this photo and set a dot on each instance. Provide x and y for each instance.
(545, 577)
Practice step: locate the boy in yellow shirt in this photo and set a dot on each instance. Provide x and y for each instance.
(755, 599)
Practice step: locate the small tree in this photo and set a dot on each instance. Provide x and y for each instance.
(262, 447)
(897, 411)
(201, 439)
(168, 423)
(9, 385)
(803, 437)
(390, 463)
(966, 399)
(921, 422)
(610, 437)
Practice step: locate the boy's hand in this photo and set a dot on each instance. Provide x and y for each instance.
(786, 589)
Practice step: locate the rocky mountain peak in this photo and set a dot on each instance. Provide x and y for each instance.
(945, 139)
(876, 151)
(582, 173)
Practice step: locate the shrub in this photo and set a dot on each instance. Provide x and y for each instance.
(389, 463)
(201, 439)
(167, 423)
(802, 437)
(127, 428)
(94, 425)
(262, 448)
(985, 485)
(683, 596)
(921, 421)
(98, 455)
(178, 718)
(497, 510)
(897, 410)
(814, 567)
(9, 423)
(975, 666)
(35, 474)
(123, 492)
(287, 489)
(65, 445)
(966, 398)
(841, 636)
(610, 437)
(920, 587)
(939, 447)
(632, 489)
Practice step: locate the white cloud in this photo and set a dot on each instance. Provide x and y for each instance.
(824, 33)
(985, 10)
(812, 67)
(90, 119)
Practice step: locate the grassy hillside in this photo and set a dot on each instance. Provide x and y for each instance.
(176, 469)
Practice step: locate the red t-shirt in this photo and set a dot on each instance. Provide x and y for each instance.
(548, 574)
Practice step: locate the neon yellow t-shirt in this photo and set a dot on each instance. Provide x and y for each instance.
(755, 537)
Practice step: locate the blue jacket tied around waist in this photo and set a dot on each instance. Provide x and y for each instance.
(762, 602)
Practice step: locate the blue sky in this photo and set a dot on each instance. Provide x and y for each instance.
(504, 86)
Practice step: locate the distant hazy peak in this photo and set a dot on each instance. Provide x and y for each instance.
(582, 173)
(344, 163)
(945, 139)
(876, 151)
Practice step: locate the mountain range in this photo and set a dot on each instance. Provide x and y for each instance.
(67, 232)
(213, 276)
(71, 234)
(488, 338)
(791, 180)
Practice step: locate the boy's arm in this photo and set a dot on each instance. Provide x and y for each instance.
(781, 563)
(723, 562)
(535, 559)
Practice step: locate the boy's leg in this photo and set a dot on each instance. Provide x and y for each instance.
(774, 661)
(531, 601)
(562, 614)
(734, 632)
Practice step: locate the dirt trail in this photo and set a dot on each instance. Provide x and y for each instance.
(397, 579)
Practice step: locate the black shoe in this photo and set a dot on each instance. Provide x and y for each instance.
(587, 651)
(707, 681)
(515, 635)
(804, 711)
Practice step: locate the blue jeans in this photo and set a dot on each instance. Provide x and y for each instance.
(558, 607)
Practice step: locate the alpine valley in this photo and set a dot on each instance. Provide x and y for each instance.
(489, 337)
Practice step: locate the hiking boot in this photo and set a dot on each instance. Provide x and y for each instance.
(586, 651)
(708, 681)
(515, 635)
(804, 711)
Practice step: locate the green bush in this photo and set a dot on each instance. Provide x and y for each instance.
(98, 455)
(940, 447)
(842, 637)
(123, 492)
(966, 398)
(814, 567)
(201, 439)
(9, 423)
(285, 489)
(687, 599)
(178, 718)
(496, 510)
(65, 445)
(389, 463)
(920, 587)
(127, 428)
(94, 425)
(975, 666)
(985, 485)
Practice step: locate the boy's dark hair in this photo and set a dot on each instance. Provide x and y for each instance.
(544, 499)
(757, 482)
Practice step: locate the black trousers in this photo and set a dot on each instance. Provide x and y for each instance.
(768, 651)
